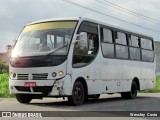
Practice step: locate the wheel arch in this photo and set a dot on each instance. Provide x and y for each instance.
(136, 80)
(83, 81)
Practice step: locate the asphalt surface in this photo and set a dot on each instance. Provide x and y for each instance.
(144, 102)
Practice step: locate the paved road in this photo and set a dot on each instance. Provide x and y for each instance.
(144, 102)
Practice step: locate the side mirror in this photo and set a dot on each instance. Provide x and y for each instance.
(8, 47)
(81, 39)
(82, 36)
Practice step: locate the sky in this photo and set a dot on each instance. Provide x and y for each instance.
(15, 14)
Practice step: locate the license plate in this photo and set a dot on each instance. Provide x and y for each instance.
(29, 84)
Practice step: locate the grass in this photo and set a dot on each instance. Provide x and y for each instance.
(156, 88)
(4, 83)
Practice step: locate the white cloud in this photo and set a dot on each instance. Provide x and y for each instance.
(14, 14)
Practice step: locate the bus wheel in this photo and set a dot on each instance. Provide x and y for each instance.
(78, 94)
(132, 94)
(23, 98)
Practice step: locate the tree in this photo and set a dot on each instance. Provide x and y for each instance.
(3, 67)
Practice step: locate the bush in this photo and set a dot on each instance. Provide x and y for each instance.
(3, 67)
(4, 83)
(156, 88)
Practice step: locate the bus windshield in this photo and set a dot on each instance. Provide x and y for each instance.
(45, 38)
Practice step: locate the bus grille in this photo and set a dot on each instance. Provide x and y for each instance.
(44, 89)
(24, 89)
(22, 76)
(42, 76)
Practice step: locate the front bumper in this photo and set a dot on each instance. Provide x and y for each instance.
(60, 87)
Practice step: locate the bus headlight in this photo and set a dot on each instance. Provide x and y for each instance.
(12, 75)
(61, 73)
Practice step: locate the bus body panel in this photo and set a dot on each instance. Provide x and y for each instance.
(131, 70)
(147, 75)
(111, 74)
(91, 73)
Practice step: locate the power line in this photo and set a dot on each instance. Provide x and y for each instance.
(104, 10)
(129, 11)
(135, 17)
(91, 9)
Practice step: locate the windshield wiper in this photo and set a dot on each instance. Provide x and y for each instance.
(55, 50)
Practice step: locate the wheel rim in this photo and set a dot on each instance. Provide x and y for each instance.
(78, 94)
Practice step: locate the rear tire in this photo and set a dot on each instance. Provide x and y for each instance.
(78, 94)
(23, 98)
(132, 94)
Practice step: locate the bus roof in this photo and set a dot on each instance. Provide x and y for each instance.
(88, 19)
(54, 19)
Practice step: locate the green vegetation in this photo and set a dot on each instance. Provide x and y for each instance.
(4, 68)
(156, 88)
(4, 90)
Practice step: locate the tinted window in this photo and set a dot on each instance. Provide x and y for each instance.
(134, 53)
(107, 43)
(147, 55)
(88, 27)
(133, 41)
(121, 51)
(108, 49)
(85, 50)
(146, 44)
(107, 36)
(121, 38)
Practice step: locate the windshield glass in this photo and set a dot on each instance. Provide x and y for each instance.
(45, 38)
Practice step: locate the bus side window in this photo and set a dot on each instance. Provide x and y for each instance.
(83, 54)
(121, 46)
(107, 43)
(134, 47)
(147, 50)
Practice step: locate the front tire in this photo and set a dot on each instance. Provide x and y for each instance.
(78, 94)
(23, 98)
(132, 94)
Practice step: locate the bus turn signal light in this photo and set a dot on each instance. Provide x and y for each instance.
(61, 73)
